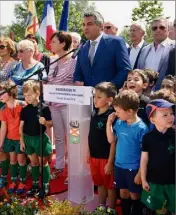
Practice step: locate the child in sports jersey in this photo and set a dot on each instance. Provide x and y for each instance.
(101, 153)
(10, 138)
(30, 135)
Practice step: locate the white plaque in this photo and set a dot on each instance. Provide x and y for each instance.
(78, 95)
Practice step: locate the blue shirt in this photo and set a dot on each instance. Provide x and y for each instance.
(129, 140)
(18, 74)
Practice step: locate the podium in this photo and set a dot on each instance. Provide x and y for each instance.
(79, 101)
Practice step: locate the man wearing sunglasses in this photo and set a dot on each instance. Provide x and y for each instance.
(110, 28)
(155, 56)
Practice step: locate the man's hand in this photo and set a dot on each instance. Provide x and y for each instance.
(109, 168)
(111, 118)
(79, 83)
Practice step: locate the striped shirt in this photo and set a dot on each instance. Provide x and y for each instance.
(61, 73)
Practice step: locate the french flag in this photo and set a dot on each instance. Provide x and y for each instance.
(48, 23)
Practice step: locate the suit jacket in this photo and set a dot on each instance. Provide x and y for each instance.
(136, 62)
(111, 62)
(171, 63)
(163, 65)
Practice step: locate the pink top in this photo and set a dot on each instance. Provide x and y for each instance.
(61, 73)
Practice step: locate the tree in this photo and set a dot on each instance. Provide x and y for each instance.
(125, 33)
(145, 13)
(76, 11)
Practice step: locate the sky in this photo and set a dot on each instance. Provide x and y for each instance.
(118, 12)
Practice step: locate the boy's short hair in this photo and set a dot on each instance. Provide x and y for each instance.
(163, 94)
(127, 99)
(171, 78)
(157, 104)
(152, 75)
(141, 74)
(31, 85)
(107, 88)
(10, 87)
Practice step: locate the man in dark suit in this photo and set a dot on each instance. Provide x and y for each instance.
(172, 57)
(103, 57)
(137, 33)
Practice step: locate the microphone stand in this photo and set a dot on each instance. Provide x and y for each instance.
(41, 193)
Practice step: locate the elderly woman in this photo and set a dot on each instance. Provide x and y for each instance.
(27, 66)
(7, 48)
(60, 73)
(76, 39)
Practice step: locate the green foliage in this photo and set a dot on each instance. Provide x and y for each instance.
(125, 33)
(76, 11)
(147, 11)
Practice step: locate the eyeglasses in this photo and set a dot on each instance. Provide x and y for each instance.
(154, 28)
(107, 27)
(2, 47)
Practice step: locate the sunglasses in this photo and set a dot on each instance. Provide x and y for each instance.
(21, 50)
(154, 28)
(107, 27)
(2, 47)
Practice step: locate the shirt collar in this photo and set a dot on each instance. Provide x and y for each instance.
(139, 45)
(98, 38)
(163, 43)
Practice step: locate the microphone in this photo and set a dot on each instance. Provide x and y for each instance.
(76, 52)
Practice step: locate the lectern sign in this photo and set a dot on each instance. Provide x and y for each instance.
(67, 94)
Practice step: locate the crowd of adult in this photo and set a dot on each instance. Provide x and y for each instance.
(105, 57)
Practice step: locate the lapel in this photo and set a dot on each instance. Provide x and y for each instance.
(86, 53)
(163, 56)
(143, 45)
(100, 49)
(148, 49)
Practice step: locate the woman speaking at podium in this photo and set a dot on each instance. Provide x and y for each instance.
(60, 73)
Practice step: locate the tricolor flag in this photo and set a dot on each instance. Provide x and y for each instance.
(63, 25)
(32, 22)
(48, 23)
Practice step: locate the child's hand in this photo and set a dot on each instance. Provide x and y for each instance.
(42, 120)
(111, 118)
(146, 186)
(22, 147)
(137, 179)
(109, 168)
(1, 145)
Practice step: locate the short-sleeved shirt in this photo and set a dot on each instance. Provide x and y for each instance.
(98, 143)
(18, 74)
(161, 152)
(12, 118)
(30, 115)
(129, 143)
